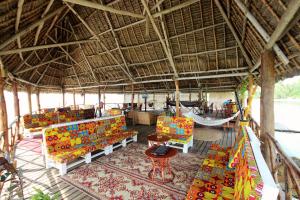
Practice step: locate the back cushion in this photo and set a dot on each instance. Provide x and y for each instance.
(114, 112)
(248, 184)
(174, 125)
(83, 134)
(237, 150)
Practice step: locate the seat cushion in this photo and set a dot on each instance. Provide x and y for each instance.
(68, 155)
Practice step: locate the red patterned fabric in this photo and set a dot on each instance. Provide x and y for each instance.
(67, 143)
(215, 180)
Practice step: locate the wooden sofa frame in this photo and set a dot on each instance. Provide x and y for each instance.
(87, 158)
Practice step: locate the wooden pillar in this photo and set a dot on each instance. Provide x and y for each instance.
(177, 97)
(200, 95)
(132, 96)
(63, 96)
(74, 99)
(38, 100)
(267, 102)
(29, 98)
(83, 97)
(3, 114)
(153, 101)
(104, 100)
(16, 99)
(99, 101)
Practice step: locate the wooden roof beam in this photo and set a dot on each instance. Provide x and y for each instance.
(233, 31)
(39, 28)
(39, 65)
(262, 31)
(164, 45)
(30, 27)
(43, 74)
(101, 43)
(108, 19)
(84, 56)
(18, 18)
(105, 8)
(292, 10)
(45, 46)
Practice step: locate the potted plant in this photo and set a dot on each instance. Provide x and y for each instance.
(40, 195)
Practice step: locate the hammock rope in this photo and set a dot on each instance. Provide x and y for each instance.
(206, 121)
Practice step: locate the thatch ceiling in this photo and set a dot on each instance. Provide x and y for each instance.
(148, 42)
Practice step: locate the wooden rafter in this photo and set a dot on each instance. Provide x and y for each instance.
(163, 43)
(84, 56)
(262, 31)
(233, 31)
(45, 46)
(39, 65)
(18, 18)
(30, 27)
(39, 28)
(43, 74)
(105, 8)
(101, 43)
(108, 19)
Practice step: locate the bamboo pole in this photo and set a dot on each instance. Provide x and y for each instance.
(83, 97)
(38, 100)
(74, 99)
(3, 115)
(177, 98)
(132, 96)
(29, 98)
(267, 102)
(63, 96)
(99, 101)
(251, 93)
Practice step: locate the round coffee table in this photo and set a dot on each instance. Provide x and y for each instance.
(161, 164)
(157, 139)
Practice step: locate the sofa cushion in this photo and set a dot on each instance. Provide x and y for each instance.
(68, 155)
(174, 125)
(239, 147)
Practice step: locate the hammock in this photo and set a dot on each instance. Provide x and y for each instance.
(206, 121)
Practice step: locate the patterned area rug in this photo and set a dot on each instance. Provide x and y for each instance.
(124, 175)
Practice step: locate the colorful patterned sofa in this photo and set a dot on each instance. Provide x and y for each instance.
(64, 144)
(233, 173)
(38, 121)
(179, 129)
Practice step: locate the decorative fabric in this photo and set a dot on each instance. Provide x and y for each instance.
(179, 129)
(124, 175)
(49, 118)
(215, 180)
(114, 112)
(206, 121)
(66, 143)
(238, 147)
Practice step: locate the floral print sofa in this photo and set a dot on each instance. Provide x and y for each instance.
(65, 144)
(179, 129)
(229, 173)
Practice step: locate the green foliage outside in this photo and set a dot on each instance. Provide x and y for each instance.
(284, 90)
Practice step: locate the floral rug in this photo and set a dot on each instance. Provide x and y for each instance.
(124, 175)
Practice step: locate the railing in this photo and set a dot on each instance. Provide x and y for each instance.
(285, 171)
(13, 131)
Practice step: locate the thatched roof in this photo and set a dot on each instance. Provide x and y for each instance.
(113, 43)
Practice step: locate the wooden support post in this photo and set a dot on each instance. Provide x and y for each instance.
(153, 101)
(63, 96)
(3, 115)
(99, 102)
(132, 96)
(267, 102)
(29, 98)
(16, 107)
(177, 98)
(83, 97)
(251, 93)
(74, 99)
(38, 100)
(104, 100)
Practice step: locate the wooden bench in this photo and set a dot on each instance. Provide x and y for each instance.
(179, 129)
(234, 173)
(67, 145)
